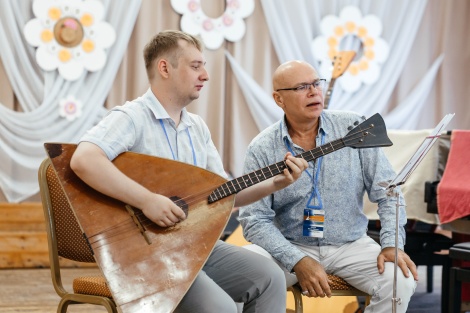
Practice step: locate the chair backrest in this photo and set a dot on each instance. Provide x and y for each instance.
(64, 236)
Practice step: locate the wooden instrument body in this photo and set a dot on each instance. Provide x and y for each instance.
(146, 277)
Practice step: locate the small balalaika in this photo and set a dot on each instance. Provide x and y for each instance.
(341, 62)
(149, 268)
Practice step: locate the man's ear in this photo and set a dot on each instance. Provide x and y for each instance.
(278, 99)
(163, 67)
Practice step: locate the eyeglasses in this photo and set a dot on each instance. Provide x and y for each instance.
(319, 85)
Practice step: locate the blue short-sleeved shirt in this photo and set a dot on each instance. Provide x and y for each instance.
(137, 126)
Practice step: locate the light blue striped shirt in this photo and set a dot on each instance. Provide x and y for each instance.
(345, 175)
(136, 127)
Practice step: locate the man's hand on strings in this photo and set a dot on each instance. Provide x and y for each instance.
(163, 212)
(295, 168)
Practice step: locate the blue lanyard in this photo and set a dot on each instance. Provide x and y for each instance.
(315, 193)
(171, 148)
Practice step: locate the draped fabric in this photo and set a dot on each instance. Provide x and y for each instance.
(407, 114)
(411, 92)
(293, 25)
(453, 192)
(236, 102)
(23, 132)
(260, 103)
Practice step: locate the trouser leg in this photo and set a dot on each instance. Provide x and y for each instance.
(205, 296)
(357, 264)
(244, 277)
(290, 278)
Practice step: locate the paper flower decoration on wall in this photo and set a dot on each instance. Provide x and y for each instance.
(350, 26)
(70, 108)
(70, 35)
(230, 25)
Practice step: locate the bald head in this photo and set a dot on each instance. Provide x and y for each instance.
(285, 74)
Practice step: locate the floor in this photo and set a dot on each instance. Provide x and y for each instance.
(423, 302)
(31, 291)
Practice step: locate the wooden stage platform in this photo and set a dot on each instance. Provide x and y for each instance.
(31, 291)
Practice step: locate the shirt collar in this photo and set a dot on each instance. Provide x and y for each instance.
(323, 127)
(159, 111)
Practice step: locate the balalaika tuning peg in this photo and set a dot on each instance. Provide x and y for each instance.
(356, 123)
(350, 127)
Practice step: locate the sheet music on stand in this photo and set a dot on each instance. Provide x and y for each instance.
(420, 153)
(400, 179)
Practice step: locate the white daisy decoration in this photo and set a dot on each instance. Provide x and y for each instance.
(70, 108)
(69, 35)
(350, 27)
(230, 25)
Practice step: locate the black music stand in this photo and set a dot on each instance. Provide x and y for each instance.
(400, 179)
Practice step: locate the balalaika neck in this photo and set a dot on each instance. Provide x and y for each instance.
(236, 185)
(328, 93)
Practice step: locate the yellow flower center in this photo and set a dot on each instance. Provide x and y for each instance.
(339, 31)
(361, 32)
(350, 26)
(46, 35)
(54, 13)
(68, 32)
(87, 19)
(64, 55)
(353, 69)
(369, 54)
(88, 46)
(369, 42)
(363, 65)
(332, 42)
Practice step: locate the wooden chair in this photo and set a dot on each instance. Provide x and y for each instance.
(339, 287)
(65, 240)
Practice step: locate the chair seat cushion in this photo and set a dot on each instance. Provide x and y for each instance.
(96, 285)
(91, 285)
(337, 283)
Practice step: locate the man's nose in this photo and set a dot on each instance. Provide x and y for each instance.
(205, 75)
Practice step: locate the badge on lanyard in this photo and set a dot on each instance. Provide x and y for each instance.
(314, 215)
(313, 223)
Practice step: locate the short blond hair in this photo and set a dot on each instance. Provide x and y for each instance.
(167, 43)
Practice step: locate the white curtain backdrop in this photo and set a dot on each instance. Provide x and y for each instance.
(408, 112)
(294, 24)
(22, 133)
(261, 104)
(423, 78)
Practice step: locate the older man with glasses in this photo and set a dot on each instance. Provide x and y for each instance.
(329, 192)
